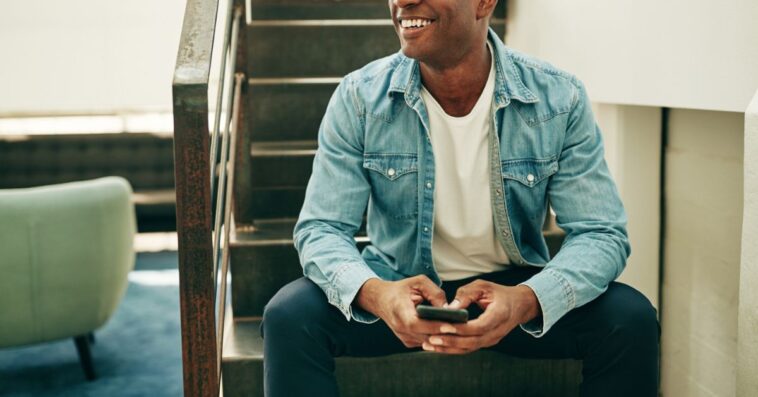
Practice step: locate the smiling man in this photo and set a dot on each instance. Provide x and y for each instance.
(455, 145)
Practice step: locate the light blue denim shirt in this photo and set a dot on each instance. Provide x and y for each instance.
(374, 152)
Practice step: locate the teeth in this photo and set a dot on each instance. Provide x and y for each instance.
(414, 23)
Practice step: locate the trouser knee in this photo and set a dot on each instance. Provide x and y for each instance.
(630, 318)
(296, 308)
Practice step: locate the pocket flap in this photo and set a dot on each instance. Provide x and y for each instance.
(392, 166)
(529, 171)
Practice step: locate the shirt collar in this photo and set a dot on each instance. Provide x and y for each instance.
(406, 77)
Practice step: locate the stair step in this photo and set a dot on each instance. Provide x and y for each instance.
(305, 48)
(327, 9)
(288, 108)
(421, 374)
(270, 203)
(281, 163)
(262, 261)
(281, 88)
(327, 48)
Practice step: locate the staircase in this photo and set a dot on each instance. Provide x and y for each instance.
(295, 52)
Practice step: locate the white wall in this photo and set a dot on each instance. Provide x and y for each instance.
(700, 54)
(747, 347)
(632, 138)
(704, 182)
(88, 56)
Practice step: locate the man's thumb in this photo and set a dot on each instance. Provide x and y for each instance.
(459, 302)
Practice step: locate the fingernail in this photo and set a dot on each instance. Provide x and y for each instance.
(445, 305)
(447, 329)
(455, 304)
(435, 340)
(427, 347)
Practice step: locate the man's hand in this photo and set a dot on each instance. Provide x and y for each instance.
(395, 303)
(504, 309)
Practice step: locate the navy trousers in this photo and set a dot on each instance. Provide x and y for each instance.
(616, 336)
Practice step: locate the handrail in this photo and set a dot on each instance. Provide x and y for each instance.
(239, 78)
(218, 197)
(203, 146)
(219, 97)
(193, 61)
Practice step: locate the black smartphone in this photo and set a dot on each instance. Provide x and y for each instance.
(442, 314)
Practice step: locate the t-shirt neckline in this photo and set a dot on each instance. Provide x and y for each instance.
(488, 86)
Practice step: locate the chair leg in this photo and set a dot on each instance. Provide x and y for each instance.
(82, 343)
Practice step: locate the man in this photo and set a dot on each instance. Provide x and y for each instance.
(456, 144)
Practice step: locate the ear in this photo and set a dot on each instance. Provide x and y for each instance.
(485, 8)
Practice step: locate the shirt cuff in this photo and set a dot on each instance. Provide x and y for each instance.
(348, 281)
(556, 298)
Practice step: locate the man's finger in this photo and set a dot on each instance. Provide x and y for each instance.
(426, 327)
(477, 327)
(430, 291)
(464, 296)
(410, 340)
(460, 342)
(444, 350)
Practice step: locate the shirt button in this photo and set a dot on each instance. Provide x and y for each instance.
(391, 172)
(530, 178)
(497, 192)
(426, 229)
(505, 233)
(428, 185)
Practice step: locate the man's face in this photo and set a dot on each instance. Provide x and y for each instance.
(435, 31)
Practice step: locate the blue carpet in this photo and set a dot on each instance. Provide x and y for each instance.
(137, 353)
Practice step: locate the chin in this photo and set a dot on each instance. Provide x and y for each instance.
(414, 53)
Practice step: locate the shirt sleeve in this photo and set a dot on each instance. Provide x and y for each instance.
(335, 201)
(588, 208)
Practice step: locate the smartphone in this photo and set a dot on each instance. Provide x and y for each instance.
(442, 314)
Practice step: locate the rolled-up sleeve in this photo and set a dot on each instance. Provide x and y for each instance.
(588, 208)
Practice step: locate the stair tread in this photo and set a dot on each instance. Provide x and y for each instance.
(273, 232)
(484, 373)
(243, 340)
(283, 148)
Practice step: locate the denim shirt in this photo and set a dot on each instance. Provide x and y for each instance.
(375, 154)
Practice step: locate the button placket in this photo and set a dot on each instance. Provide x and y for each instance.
(500, 210)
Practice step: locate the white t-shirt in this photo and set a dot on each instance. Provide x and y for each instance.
(464, 242)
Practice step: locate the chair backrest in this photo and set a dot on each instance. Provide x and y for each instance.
(66, 253)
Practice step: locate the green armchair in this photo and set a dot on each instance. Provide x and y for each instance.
(65, 253)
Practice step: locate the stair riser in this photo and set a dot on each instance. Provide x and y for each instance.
(280, 171)
(317, 51)
(270, 204)
(424, 374)
(258, 272)
(286, 112)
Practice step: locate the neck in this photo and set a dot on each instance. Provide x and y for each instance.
(457, 86)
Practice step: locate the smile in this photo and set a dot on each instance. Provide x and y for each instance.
(415, 23)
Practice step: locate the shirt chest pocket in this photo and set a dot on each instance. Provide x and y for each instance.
(394, 183)
(525, 182)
